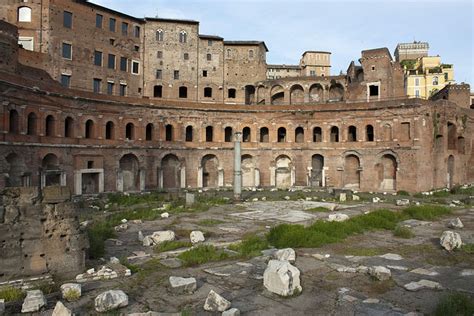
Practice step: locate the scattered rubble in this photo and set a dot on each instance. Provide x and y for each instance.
(110, 271)
(450, 240)
(61, 310)
(231, 312)
(216, 303)
(403, 202)
(181, 285)
(455, 223)
(110, 300)
(33, 302)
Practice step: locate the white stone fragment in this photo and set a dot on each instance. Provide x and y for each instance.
(162, 236)
(282, 278)
(391, 256)
(403, 202)
(455, 223)
(196, 236)
(422, 284)
(61, 310)
(424, 272)
(33, 302)
(371, 301)
(114, 260)
(338, 217)
(287, 254)
(140, 236)
(165, 215)
(110, 300)
(380, 273)
(181, 285)
(231, 312)
(400, 268)
(355, 197)
(124, 221)
(216, 303)
(450, 240)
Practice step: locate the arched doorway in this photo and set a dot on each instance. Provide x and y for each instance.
(249, 94)
(317, 175)
(277, 95)
(51, 170)
(170, 167)
(316, 93)
(296, 95)
(130, 172)
(210, 171)
(450, 171)
(248, 171)
(388, 173)
(352, 172)
(283, 172)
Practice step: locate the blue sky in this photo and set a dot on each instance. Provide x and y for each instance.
(290, 27)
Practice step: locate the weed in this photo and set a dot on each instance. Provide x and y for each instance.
(202, 254)
(425, 212)
(97, 234)
(455, 304)
(210, 222)
(442, 193)
(468, 248)
(403, 232)
(250, 246)
(46, 287)
(403, 193)
(171, 245)
(71, 295)
(132, 267)
(132, 199)
(10, 294)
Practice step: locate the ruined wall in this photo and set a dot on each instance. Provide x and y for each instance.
(40, 233)
(8, 47)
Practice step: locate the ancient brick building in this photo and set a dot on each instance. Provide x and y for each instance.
(185, 96)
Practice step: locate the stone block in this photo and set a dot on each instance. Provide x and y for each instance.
(110, 300)
(33, 302)
(181, 285)
(190, 198)
(216, 303)
(282, 278)
(56, 194)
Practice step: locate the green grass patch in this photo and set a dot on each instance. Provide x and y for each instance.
(171, 245)
(132, 199)
(321, 232)
(403, 232)
(468, 248)
(250, 246)
(455, 304)
(202, 254)
(98, 233)
(10, 294)
(146, 214)
(318, 209)
(403, 193)
(210, 222)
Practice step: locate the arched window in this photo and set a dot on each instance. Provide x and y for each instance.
(169, 133)
(208, 92)
(89, 129)
(183, 92)
(264, 135)
(281, 135)
(14, 121)
(246, 138)
(24, 14)
(369, 130)
(31, 126)
(251, 54)
(149, 132)
(299, 135)
(317, 135)
(209, 134)
(50, 126)
(129, 131)
(189, 133)
(183, 37)
(228, 134)
(352, 134)
(68, 127)
(229, 53)
(109, 130)
(160, 35)
(158, 91)
(334, 134)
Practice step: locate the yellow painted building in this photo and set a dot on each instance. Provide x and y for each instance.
(426, 75)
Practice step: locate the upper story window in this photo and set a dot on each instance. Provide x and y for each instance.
(160, 35)
(137, 31)
(124, 28)
(97, 58)
(135, 67)
(111, 61)
(229, 53)
(183, 37)
(24, 14)
(123, 63)
(67, 19)
(417, 81)
(67, 51)
(435, 81)
(98, 20)
(209, 43)
(159, 54)
(112, 24)
(209, 57)
(186, 56)
(176, 74)
(251, 53)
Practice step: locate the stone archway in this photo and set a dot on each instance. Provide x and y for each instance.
(51, 170)
(283, 172)
(296, 94)
(388, 173)
(352, 172)
(317, 174)
(129, 167)
(316, 93)
(210, 171)
(171, 169)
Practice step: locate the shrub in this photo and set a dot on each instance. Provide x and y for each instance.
(72, 295)
(171, 245)
(202, 254)
(403, 232)
(250, 246)
(455, 304)
(10, 294)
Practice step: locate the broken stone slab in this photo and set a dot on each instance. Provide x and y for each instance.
(424, 272)
(216, 303)
(189, 199)
(455, 223)
(392, 256)
(467, 272)
(287, 254)
(61, 310)
(71, 291)
(338, 217)
(162, 236)
(376, 199)
(414, 223)
(121, 227)
(165, 215)
(33, 302)
(450, 240)
(110, 300)
(148, 241)
(196, 236)
(231, 312)
(282, 278)
(349, 298)
(342, 197)
(181, 285)
(403, 202)
(422, 284)
(380, 273)
(400, 268)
